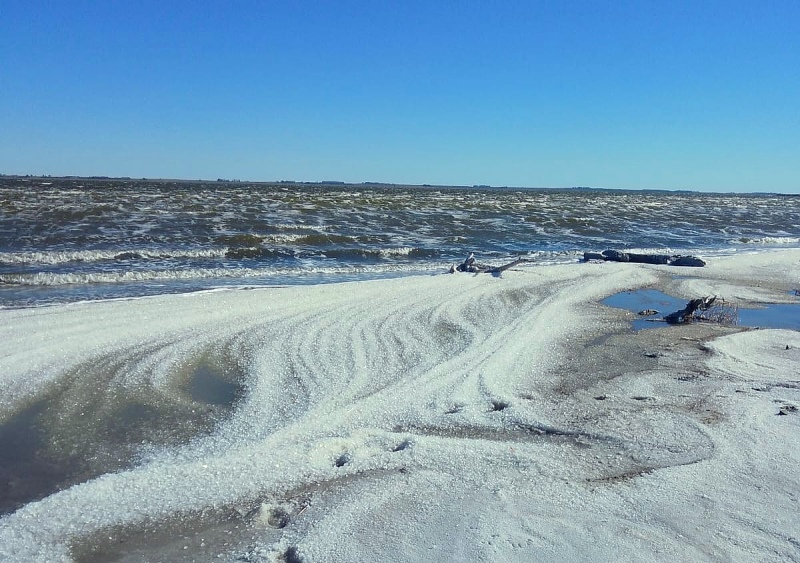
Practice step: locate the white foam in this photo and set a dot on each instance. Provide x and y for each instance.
(399, 251)
(768, 241)
(65, 256)
(438, 398)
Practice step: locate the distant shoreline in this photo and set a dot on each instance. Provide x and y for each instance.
(362, 185)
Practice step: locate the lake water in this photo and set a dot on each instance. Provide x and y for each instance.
(75, 239)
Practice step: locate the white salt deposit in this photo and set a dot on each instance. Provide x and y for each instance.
(423, 419)
(747, 277)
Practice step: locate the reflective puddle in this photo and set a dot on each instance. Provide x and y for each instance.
(786, 316)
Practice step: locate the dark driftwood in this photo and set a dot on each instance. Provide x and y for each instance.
(619, 256)
(688, 261)
(471, 266)
(505, 267)
(686, 315)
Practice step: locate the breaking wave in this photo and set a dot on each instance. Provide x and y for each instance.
(767, 241)
(84, 278)
(53, 257)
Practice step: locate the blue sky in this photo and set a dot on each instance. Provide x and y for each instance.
(673, 95)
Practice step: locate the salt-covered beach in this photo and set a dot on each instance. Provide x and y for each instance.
(427, 418)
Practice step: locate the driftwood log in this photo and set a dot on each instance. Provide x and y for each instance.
(686, 315)
(705, 309)
(619, 256)
(471, 266)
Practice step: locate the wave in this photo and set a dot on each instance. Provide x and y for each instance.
(86, 278)
(381, 253)
(244, 246)
(300, 227)
(316, 238)
(241, 239)
(321, 239)
(283, 238)
(257, 252)
(55, 279)
(65, 256)
(764, 241)
(402, 251)
(423, 265)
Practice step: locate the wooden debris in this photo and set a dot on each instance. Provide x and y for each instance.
(648, 313)
(471, 266)
(707, 309)
(620, 256)
(686, 315)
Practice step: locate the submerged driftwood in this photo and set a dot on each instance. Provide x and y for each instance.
(687, 314)
(619, 256)
(706, 309)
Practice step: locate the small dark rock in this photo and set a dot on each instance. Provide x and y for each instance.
(342, 460)
(787, 409)
(292, 555)
(588, 256)
(648, 312)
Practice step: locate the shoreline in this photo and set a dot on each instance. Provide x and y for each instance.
(507, 418)
(674, 284)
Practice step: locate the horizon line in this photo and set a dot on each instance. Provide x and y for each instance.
(370, 183)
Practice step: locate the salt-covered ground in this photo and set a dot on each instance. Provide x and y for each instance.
(435, 418)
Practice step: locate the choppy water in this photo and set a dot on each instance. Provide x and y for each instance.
(66, 240)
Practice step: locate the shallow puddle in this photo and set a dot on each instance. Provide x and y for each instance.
(208, 385)
(86, 427)
(26, 472)
(786, 316)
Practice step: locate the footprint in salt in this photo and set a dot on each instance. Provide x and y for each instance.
(498, 405)
(342, 460)
(402, 446)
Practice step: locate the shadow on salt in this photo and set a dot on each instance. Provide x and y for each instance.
(784, 316)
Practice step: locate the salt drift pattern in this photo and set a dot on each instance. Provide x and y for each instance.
(74, 239)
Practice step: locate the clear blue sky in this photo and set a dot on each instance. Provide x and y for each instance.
(674, 95)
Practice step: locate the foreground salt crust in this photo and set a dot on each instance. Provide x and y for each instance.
(427, 419)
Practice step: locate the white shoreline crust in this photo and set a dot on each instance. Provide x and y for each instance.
(450, 418)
